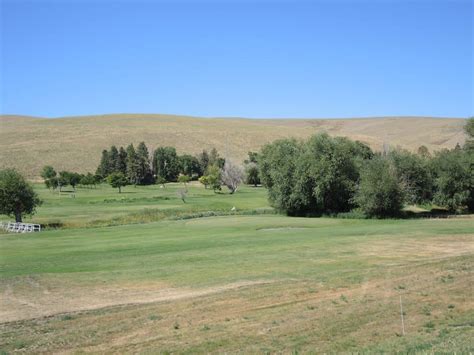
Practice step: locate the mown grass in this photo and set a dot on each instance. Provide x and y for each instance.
(308, 284)
(104, 206)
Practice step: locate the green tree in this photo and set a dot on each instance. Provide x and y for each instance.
(277, 172)
(311, 177)
(113, 160)
(252, 158)
(204, 180)
(423, 151)
(252, 171)
(379, 193)
(104, 166)
(166, 163)
(143, 165)
(252, 175)
(52, 183)
(117, 180)
(216, 159)
(184, 179)
(121, 161)
(469, 129)
(133, 168)
(48, 172)
(203, 159)
(88, 180)
(214, 177)
(454, 179)
(190, 166)
(74, 179)
(414, 174)
(63, 179)
(17, 197)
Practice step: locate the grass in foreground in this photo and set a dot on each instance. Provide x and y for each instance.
(240, 283)
(104, 206)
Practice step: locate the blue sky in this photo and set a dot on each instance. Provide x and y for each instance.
(257, 58)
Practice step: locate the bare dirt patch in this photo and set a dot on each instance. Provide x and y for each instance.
(30, 298)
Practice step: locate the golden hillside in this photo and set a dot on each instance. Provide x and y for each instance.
(75, 143)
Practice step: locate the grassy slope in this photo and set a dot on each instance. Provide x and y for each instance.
(235, 283)
(75, 143)
(331, 285)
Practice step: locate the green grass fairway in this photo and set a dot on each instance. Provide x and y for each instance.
(104, 206)
(239, 284)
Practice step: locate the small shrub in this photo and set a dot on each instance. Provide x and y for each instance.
(429, 325)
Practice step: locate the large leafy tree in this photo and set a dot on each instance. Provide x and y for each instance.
(189, 166)
(166, 163)
(380, 193)
(414, 174)
(17, 197)
(454, 179)
(277, 172)
(316, 176)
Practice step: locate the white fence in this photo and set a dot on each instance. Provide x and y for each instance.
(20, 227)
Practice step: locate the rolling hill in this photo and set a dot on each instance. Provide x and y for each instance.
(75, 143)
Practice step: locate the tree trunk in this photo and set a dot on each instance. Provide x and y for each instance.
(120, 190)
(18, 217)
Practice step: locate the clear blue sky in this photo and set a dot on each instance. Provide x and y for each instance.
(258, 58)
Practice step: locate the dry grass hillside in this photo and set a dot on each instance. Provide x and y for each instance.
(75, 143)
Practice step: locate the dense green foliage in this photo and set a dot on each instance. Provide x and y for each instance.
(117, 180)
(379, 193)
(17, 197)
(311, 177)
(322, 175)
(252, 170)
(132, 163)
(414, 174)
(454, 179)
(166, 163)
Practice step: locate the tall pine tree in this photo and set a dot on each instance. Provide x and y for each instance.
(113, 159)
(103, 168)
(144, 169)
(132, 165)
(122, 161)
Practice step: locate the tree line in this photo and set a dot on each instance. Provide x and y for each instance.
(135, 166)
(326, 175)
(163, 165)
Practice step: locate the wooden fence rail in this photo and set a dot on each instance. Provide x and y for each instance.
(20, 227)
